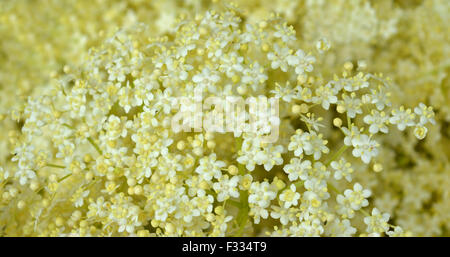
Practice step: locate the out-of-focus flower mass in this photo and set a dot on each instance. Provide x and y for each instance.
(86, 113)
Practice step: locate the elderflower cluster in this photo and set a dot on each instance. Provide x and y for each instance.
(90, 149)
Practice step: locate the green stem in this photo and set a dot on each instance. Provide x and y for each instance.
(95, 145)
(67, 125)
(55, 166)
(337, 154)
(3, 183)
(299, 184)
(66, 176)
(364, 212)
(333, 188)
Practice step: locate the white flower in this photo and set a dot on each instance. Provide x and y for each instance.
(297, 169)
(226, 187)
(340, 228)
(377, 121)
(356, 198)
(317, 188)
(279, 57)
(290, 196)
(380, 97)
(249, 152)
(351, 104)
(325, 95)
(261, 194)
(4, 175)
(285, 32)
(315, 145)
(397, 232)
(307, 228)
(284, 92)
(116, 128)
(169, 164)
(78, 197)
(230, 64)
(254, 75)
(285, 215)
(403, 118)
(355, 83)
(207, 78)
(127, 98)
(270, 156)
(377, 222)
(65, 150)
(258, 212)
(77, 102)
(309, 143)
(297, 142)
(350, 134)
(209, 167)
(323, 45)
(420, 132)
(426, 114)
(319, 171)
(311, 121)
(301, 62)
(342, 169)
(364, 148)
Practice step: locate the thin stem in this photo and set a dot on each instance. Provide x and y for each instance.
(337, 154)
(63, 178)
(349, 123)
(95, 145)
(55, 166)
(333, 188)
(364, 212)
(3, 183)
(67, 125)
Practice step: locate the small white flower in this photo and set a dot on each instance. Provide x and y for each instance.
(352, 200)
(302, 63)
(352, 104)
(286, 93)
(402, 118)
(340, 228)
(290, 196)
(323, 45)
(377, 121)
(285, 215)
(210, 168)
(364, 148)
(226, 187)
(397, 232)
(325, 95)
(350, 134)
(297, 142)
(315, 145)
(270, 156)
(342, 169)
(258, 212)
(261, 194)
(377, 222)
(279, 57)
(420, 132)
(297, 169)
(426, 114)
